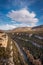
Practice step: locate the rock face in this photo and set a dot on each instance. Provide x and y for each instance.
(3, 39)
(11, 54)
(3, 44)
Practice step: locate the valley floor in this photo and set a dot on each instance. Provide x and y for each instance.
(21, 49)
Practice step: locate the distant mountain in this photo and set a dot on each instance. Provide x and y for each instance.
(21, 29)
(25, 29)
(38, 28)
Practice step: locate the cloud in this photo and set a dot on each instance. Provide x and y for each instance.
(7, 27)
(23, 16)
(11, 26)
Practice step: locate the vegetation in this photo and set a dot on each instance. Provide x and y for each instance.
(33, 53)
(36, 52)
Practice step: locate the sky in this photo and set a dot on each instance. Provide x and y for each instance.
(20, 13)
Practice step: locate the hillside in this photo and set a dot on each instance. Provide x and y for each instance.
(38, 28)
(21, 29)
(26, 29)
(1, 31)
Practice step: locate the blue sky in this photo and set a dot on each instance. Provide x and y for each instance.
(20, 13)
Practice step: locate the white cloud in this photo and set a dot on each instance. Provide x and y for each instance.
(23, 16)
(7, 27)
(11, 26)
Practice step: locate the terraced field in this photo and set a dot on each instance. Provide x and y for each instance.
(25, 41)
(21, 49)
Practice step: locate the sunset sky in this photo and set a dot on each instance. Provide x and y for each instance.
(20, 13)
